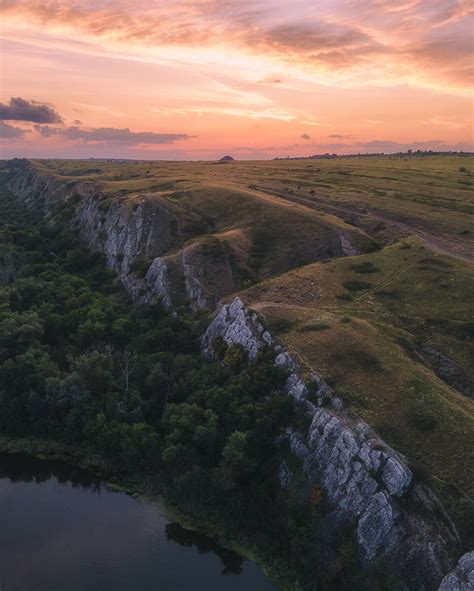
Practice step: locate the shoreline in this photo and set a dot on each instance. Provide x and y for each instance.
(54, 451)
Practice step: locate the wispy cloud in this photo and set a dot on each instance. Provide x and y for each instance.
(421, 41)
(110, 135)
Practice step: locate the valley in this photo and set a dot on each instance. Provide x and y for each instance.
(353, 275)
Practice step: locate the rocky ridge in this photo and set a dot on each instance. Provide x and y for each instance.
(462, 577)
(122, 232)
(368, 485)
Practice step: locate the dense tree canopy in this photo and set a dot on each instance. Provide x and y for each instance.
(80, 364)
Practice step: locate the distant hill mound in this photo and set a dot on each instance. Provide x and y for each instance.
(226, 159)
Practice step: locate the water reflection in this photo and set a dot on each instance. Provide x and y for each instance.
(62, 528)
(24, 468)
(231, 561)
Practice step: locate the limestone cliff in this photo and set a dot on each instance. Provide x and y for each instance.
(125, 231)
(368, 485)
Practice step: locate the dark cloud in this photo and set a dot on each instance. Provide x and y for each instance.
(19, 109)
(111, 134)
(320, 42)
(306, 136)
(8, 131)
(77, 122)
(338, 136)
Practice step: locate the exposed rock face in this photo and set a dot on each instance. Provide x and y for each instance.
(200, 297)
(156, 279)
(368, 485)
(448, 371)
(124, 232)
(347, 244)
(155, 285)
(234, 325)
(462, 577)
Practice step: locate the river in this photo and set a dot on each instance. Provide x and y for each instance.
(62, 529)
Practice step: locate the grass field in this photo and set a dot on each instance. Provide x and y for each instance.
(430, 192)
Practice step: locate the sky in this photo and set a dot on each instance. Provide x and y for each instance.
(179, 79)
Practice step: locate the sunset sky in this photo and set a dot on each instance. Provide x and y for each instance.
(253, 79)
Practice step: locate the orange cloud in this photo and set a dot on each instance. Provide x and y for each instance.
(414, 40)
(253, 73)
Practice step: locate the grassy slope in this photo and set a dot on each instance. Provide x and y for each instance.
(421, 189)
(239, 231)
(429, 190)
(368, 348)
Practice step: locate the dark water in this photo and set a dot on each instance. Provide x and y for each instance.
(63, 530)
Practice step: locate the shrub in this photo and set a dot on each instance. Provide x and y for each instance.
(422, 420)
(382, 294)
(140, 267)
(235, 357)
(315, 324)
(373, 247)
(315, 497)
(420, 414)
(280, 325)
(354, 285)
(219, 346)
(365, 267)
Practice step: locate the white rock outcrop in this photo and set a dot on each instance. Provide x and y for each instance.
(462, 577)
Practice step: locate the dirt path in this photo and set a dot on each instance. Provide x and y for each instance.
(441, 244)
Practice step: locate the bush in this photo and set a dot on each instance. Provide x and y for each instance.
(219, 347)
(421, 415)
(316, 324)
(236, 357)
(140, 267)
(354, 285)
(382, 294)
(422, 420)
(365, 267)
